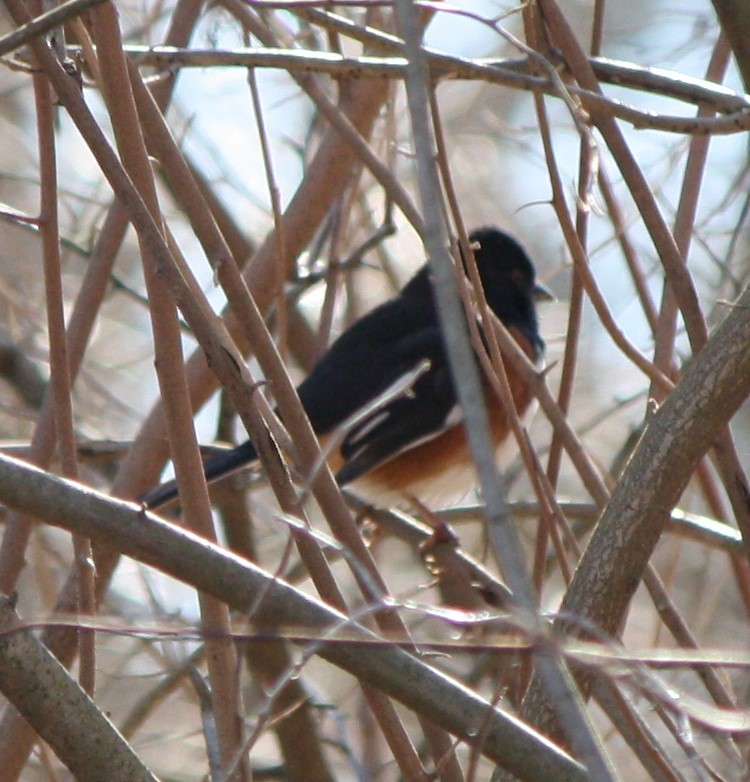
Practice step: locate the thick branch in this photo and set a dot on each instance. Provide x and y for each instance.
(734, 16)
(273, 603)
(42, 690)
(715, 384)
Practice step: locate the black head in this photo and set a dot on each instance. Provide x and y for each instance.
(509, 279)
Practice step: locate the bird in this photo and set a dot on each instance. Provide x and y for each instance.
(413, 444)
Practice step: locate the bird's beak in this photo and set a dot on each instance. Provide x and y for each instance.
(542, 293)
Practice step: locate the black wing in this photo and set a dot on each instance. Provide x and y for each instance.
(424, 413)
(370, 357)
(367, 358)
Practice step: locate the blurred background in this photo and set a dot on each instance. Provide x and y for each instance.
(497, 161)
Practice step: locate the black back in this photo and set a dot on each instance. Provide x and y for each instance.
(389, 341)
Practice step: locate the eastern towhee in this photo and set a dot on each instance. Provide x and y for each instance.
(413, 445)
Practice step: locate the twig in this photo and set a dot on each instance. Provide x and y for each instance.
(44, 23)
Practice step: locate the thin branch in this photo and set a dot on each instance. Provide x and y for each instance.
(734, 107)
(44, 23)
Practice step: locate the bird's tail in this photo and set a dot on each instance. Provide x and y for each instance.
(215, 467)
